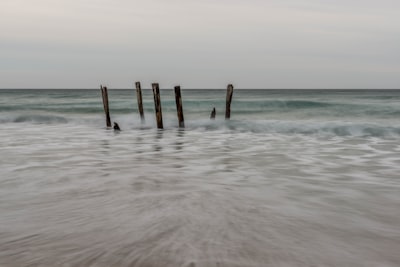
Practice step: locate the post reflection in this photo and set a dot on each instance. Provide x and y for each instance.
(158, 139)
(179, 143)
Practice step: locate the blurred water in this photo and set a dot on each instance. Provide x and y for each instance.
(275, 186)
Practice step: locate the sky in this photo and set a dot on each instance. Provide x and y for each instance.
(200, 43)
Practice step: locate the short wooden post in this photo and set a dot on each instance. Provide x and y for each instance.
(157, 105)
(229, 93)
(104, 94)
(139, 100)
(179, 109)
(213, 113)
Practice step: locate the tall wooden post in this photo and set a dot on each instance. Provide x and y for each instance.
(157, 105)
(179, 109)
(139, 100)
(104, 94)
(229, 93)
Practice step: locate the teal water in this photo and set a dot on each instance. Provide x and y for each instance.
(336, 112)
(295, 178)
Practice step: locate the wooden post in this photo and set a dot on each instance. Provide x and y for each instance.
(229, 93)
(104, 94)
(139, 100)
(212, 115)
(157, 105)
(179, 109)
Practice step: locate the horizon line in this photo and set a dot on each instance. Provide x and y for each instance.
(240, 88)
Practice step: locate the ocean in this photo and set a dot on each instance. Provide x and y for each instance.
(294, 178)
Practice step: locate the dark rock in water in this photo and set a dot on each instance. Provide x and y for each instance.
(213, 112)
(116, 127)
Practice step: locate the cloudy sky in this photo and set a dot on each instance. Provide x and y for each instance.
(200, 43)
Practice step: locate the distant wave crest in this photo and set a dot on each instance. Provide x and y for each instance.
(305, 128)
(45, 119)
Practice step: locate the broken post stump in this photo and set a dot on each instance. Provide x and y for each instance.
(104, 94)
(213, 112)
(116, 127)
(179, 109)
(140, 100)
(229, 93)
(157, 105)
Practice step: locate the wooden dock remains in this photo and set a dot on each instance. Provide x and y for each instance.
(229, 93)
(157, 105)
(104, 94)
(140, 100)
(179, 109)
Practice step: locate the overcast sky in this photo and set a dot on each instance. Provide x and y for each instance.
(200, 43)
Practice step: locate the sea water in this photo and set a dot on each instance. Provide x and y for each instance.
(295, 178)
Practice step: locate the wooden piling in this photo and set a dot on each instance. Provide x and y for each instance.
(179, 109)
(213, 113)
(229, 93)
(104, 94)
(157, 105)
(140, 100)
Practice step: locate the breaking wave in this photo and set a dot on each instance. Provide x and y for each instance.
(40, 119)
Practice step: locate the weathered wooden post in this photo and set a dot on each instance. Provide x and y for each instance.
(213, 113)
(229, 93)
(179, 109)
(139, 100)
(157, 105)
(104, 94)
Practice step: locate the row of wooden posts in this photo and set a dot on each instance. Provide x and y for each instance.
(157, 104)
